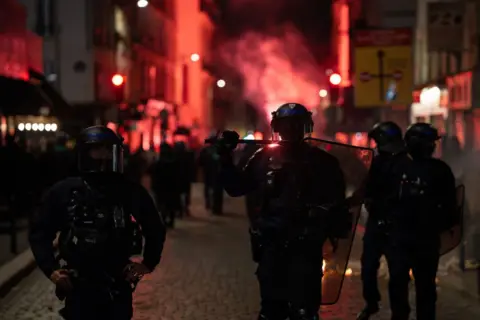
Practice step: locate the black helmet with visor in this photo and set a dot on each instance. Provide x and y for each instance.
(99, 150)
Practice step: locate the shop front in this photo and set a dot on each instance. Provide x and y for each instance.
(460, 103)
(29, 106)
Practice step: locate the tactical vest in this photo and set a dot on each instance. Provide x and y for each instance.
(98, 230)
(285, 184)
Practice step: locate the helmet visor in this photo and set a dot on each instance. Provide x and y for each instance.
(100, 158)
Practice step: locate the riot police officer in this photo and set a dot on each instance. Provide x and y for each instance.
(290, 233)
(97, 215)
(389, 144)
(423, 206)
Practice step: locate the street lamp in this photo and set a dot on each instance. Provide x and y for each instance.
(335, 79)
(195, 57)
(142, 3)
(323, 93)
(221, 83)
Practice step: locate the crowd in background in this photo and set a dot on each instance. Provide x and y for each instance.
(168, 175)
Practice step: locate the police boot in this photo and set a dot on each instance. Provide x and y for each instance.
(367, 312)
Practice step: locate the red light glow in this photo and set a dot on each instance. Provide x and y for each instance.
(335, 79)
(344, 45)
(276, 68)
(118, 80)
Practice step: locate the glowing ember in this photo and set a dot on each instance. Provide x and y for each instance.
(324, 265)
(348, 272)
(276, 68)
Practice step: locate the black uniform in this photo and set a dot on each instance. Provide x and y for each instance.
(167, 184)
(213, 190)
(389, 140)
(97, 215)
(423, 205)
(293, 178)
(186, 160)
(253, 200)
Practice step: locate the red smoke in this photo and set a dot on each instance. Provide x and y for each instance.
(276, 68)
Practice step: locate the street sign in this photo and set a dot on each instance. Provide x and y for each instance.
(365, 76)
(383, 56)
(397, 75)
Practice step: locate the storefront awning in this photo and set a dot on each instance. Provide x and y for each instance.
(18, 97)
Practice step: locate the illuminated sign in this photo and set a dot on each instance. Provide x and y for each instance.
(384, 67)
(460, 91)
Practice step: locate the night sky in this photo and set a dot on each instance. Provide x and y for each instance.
(311, 17)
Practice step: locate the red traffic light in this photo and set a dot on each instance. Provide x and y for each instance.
(118, 80)
(335, 79)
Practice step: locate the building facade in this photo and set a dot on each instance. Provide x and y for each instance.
(195, 28)
(20, 56)
(154, 48)
(445, 74)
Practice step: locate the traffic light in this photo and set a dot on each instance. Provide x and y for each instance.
(334, 82)
(118, 82)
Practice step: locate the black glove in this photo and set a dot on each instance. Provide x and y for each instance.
(227, 142)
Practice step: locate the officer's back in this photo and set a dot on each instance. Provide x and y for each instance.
(425, 189)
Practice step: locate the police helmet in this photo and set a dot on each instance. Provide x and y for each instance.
(292, 121)
(388, 136)
(421, 139)
(100, 150)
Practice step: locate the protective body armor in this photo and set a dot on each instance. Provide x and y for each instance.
(415, 197)
(285, 183)
(98, 231)
(290, 200)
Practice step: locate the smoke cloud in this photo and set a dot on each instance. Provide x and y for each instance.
(276, 67)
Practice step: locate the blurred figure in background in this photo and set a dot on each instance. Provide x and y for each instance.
(166, 185)
(19, 186)
(213, 188)
(185, 159)
(137, 166)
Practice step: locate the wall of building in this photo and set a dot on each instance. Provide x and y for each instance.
(193, 33)
(432, 65)
(74, 47)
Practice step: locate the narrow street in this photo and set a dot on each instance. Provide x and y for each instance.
(206, 274)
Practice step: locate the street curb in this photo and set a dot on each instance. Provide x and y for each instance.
(12, 272)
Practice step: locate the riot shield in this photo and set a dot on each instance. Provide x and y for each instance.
(355, 163)
(451, 238)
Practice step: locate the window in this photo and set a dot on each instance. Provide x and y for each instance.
(161, 82)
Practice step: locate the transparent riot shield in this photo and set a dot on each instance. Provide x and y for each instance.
(355, 163)
(451, 238)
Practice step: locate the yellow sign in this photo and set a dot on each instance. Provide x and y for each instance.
(383, 68)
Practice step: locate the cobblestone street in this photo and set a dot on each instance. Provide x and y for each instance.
(206, 273)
